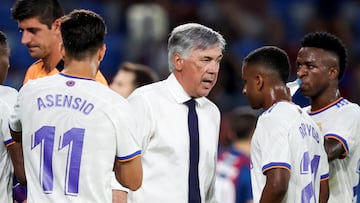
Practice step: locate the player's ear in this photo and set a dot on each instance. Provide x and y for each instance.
(177, 61)
(62, 50)
(102, 51)
(259, 82)
(56, 25)
(333, 73)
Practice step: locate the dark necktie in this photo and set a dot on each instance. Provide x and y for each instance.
(194, 191)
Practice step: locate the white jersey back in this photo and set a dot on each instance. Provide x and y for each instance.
(286, 137)
(341, 121)
(72, 129)
(6, 167)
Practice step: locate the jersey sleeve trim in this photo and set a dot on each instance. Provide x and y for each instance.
(14, 131)
(9, 142)
(276, 165)
(324, 177)
(129, 157)
(342, 142)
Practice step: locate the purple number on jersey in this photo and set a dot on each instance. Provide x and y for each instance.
(45, 137)
(306, 165)
(76, 137)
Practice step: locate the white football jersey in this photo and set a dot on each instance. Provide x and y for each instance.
(9, 95)
(286, 137)
(340, 120)
(6, 167)
(72, 130)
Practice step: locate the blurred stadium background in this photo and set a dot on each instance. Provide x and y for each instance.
(138, 31)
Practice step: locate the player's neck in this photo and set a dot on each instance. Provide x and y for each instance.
(84, 68)
(276, 94)
(51, 60)
(324, 99)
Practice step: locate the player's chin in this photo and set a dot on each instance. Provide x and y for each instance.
(203, 92)
(306, 90)
(35, 54)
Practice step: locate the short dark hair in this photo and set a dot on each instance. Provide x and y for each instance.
(272, 57)
(47, 11)
(143, 74)
(83, 33)
(328, 42)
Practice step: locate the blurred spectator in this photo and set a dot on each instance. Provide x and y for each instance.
(233, 183)
(131, 76)
(148, 26)
(138, 30)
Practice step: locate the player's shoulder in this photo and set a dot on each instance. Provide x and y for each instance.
(348, 110)
(7, 90)
(281, 112)
(4, 108)
(36, 65)
(283, 109)
(48, 79)
(341, 107)
(347, 105)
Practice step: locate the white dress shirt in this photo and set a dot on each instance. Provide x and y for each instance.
(162, 118)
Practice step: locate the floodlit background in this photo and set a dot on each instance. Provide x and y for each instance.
(138, 32)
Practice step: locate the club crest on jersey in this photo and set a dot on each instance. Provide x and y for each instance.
(70, 83)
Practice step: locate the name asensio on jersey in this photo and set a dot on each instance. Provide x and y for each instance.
(67, 101)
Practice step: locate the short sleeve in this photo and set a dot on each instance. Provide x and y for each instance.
(128, 146)
(274, 141)
(345, 130)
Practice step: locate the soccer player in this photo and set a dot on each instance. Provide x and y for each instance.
(321, 64)
(8, 94)
(39, 22)
(72, 127)
(288, 160)
(9, 150)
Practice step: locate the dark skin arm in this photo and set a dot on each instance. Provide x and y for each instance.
(334, 149)
(276, 185)
(17, 158)
(16, 136)
(324, 191)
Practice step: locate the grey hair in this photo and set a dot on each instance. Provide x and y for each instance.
(191, 36)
